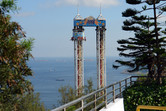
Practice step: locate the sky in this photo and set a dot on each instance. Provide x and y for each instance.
(50, 23)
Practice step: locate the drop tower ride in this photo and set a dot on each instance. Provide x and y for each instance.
(79, 38)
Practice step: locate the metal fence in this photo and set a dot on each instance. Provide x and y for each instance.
(101, 97)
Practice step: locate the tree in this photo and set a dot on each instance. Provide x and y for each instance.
(30, 102)
(15, 51)
(26, 102)
(68, 94)
(146, 49)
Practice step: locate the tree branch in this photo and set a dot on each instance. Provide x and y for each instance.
(160, 14)
(160, 5)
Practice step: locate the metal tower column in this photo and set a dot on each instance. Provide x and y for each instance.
(80, 62)
(98, 55)
(104, 37)
(101, 60)
(78, 59)
(75, 57)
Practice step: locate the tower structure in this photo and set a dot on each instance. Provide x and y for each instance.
(100, 53)
(78, 38)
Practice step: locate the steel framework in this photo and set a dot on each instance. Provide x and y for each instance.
(78, 38)
(78, 59)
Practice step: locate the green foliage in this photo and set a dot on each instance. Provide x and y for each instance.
(129, 12)
(14, 53)
(31, 102)
(151, 2)
(133, 1)
(69, 94)
(89, 87)
(26, 102)
(16, 92)
(8, 5)
(146, 50)
(144, 94)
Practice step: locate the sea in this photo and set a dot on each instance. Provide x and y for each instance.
(49, 74)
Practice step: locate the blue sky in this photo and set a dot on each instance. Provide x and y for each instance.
(50, 22)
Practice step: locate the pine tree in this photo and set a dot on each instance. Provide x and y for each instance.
(146, 49)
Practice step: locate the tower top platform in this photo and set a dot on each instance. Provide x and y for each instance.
(100, 17)
(78, 17)
(90, 21)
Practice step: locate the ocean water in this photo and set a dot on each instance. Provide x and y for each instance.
(49, 74)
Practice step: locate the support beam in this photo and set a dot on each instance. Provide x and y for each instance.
(79, 66)
(78, 58)
(75, 58)
(100, 53)
(102, 60)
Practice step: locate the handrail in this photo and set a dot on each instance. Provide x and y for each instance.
(150, 107)
(77, 100)
(110, 92)
(113, 91)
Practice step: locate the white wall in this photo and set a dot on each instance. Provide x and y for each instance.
(116, 106)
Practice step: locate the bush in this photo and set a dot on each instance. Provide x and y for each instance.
(31, 102)
(68, 94)
(27, 102)
(144, 94)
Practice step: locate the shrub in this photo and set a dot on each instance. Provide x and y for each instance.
(143, 93)
(27, 102)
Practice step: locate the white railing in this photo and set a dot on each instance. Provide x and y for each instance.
(99, 98)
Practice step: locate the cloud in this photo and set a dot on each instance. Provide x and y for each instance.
(25, 14)
(87, 3)
(162, 18)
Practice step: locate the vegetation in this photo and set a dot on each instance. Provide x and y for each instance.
(69, 94)
(31, 102)
(16, 92)
(146, 49)
(143, 93)
(26, 102)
